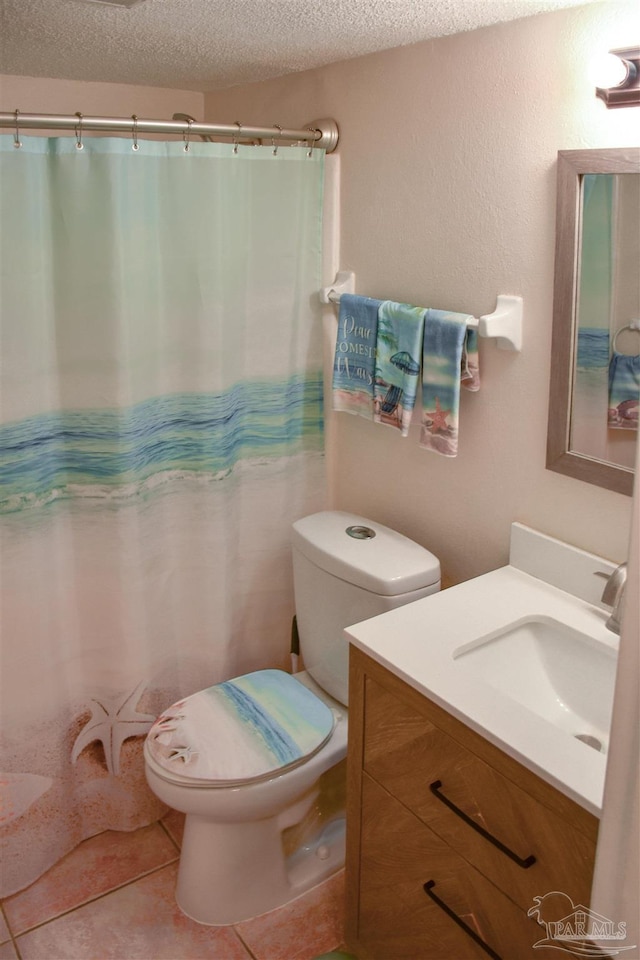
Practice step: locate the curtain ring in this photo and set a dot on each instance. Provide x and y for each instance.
(79, 143)
(187, 135)
(311, 141)
(273, 143)
(134, 145)
(235, 139)
(17, 142)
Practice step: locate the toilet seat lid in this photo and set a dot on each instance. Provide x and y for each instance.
(248, 728)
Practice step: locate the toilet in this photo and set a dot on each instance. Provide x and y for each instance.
(257, 763)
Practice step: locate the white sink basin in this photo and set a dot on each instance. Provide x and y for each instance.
(561, 674)
(521, 655)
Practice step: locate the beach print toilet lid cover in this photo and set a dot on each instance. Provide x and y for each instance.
(243, 729)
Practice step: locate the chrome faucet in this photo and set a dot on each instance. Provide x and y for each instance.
(613, 596)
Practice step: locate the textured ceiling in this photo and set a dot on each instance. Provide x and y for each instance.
(209, 44)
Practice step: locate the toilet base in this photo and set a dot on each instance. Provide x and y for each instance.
(233, 872)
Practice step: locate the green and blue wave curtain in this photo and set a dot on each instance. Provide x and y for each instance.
(160, 429)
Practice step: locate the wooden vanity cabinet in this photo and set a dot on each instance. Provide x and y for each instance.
(448, 839)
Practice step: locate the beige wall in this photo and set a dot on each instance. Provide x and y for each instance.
(447, 156)
(37, 95)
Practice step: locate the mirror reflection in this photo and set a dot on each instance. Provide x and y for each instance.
(606, 380)
(595, 364)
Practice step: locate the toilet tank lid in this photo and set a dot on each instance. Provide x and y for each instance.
(387, 564)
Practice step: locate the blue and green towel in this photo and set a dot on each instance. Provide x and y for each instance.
(397, 365)
(377, 367)
(624, 391)
(354, 363)
(449, 359)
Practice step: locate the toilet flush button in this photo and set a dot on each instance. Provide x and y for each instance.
(361, 533)
(322, 853)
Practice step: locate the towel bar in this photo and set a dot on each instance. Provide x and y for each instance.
(504, 324)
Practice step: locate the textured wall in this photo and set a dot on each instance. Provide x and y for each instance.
(447, 157)
(35, 95)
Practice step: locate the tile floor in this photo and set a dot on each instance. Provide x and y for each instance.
(112, 898)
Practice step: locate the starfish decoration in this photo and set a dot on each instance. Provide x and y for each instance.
(166, 722)
(112, 722)
(182, 753)
(438, 417)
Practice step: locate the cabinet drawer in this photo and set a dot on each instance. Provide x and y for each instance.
(493, 823)
(399, 920)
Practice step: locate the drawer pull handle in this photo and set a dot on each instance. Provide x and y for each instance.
(428, 889)
(525, 864)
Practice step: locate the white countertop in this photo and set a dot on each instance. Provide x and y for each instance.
(416, 642)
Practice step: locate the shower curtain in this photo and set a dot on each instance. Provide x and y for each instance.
(160, 429)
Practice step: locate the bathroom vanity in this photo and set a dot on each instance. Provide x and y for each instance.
(472, 818)
(433, 803)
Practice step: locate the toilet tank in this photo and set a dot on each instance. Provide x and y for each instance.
(346, 569)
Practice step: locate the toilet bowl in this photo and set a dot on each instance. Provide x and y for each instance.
(257, 763)
(232, 864)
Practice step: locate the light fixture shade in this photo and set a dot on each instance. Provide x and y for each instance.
(626, 93)
(607, 71)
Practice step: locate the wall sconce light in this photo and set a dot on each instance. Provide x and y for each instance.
(621, 86)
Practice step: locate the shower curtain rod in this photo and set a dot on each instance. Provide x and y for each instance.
(323, 133)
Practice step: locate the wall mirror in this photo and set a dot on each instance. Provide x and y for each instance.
(595, 354)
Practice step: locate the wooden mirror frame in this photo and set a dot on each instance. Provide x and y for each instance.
(572, 165)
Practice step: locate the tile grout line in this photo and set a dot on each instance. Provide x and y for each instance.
(250, 952)
(6, 920)
(170, 835)
(84, 903)
(12, 939)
